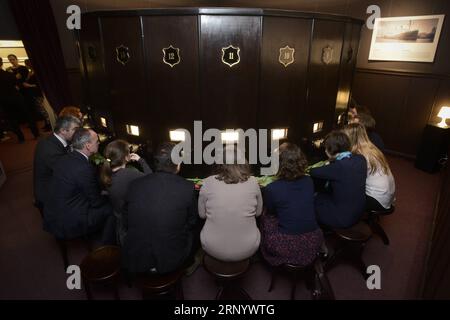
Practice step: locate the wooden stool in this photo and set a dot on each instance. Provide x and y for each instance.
(156, 286)
(227, 274)
(102, 266)
(351, 246)
(313, 274)
(373, 220)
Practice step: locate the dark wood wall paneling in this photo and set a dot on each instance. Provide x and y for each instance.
(348, 64)
(323, 77)
(402, 105)
(127, 83)
(173, 91)
(229, 94)
(93, 78)
(251, 94)
(283, 103)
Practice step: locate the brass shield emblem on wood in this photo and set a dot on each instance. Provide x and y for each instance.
(327, 54)
(286, 56)
(171, 56)
(123, 54)
(230, 55)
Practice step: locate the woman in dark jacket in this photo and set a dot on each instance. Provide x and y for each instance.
(344, 203)
(116, 178)
(290, 233)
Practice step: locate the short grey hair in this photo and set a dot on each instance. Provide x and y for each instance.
(64, 122)
(80, 138)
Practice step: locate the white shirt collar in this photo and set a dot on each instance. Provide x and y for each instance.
(87, 158)
(64, 142)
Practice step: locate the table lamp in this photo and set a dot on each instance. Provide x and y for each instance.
(444, 114)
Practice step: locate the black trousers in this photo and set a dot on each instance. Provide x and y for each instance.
(372, 204)
(16, 111)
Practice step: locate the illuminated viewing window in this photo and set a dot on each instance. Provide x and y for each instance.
(317, 127)
(103, 122)
(278, 134)
(12, 47)
(102, 137)
(177, 135)
(230, 136)
(133, 130)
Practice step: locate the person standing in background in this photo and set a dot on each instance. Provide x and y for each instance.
(34, 97)
(13, 104)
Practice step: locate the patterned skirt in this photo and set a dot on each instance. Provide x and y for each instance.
(278, 248)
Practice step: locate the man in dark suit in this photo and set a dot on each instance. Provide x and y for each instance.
(75, 206)
(161, 214)
(48, 151)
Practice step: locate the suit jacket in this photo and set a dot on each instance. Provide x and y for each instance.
(162, 212)
(74, 206)
(47, 152)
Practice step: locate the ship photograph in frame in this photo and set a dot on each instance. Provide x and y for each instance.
(412, 39)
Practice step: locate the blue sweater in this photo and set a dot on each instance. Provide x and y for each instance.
(345, 204)
(293, 204)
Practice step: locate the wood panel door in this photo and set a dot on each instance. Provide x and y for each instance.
(284, 67)
(172, 81)
(323, 76)
(125, 67)
(229, 94)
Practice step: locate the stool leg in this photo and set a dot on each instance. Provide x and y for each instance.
(116, 289)
(63, 248)
(179, 291)
(87, 289)
(322, 282)
(377, 229)
(272, 280)
(219, 293)
(294, 285)
(359, 263)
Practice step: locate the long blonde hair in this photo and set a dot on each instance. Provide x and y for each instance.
(360, 144)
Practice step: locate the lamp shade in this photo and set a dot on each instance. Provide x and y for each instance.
(444, 113)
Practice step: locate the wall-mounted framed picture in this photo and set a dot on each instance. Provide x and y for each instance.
(412, 38)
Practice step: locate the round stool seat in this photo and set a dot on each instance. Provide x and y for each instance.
(225, 269)
(359, 232)
(293, 268)
(160, 282)
(384, 212)
(101, 264)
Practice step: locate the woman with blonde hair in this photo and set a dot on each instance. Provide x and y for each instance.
(380, 184)
(116, 178)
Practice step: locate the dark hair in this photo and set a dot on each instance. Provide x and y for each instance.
(115, 154)
(12, 55)
(1, 61)
(234, 172)
(80, 137)
(293, 163)
(64, 122)
(336, 142)
(366, 120)
(163, 158)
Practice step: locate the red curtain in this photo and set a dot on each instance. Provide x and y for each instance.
(36, 24)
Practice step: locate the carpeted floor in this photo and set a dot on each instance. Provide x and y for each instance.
(31, 266)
